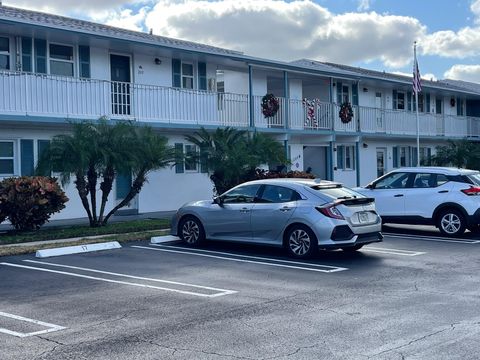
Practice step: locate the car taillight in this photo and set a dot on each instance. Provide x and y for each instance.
(330, 211)
(472, 191)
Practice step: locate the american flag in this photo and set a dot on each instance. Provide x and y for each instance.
(417, 86)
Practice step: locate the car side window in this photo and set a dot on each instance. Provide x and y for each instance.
(393, 181)
(241, 194)
(441, 179)
(277, 194)
(424, 180)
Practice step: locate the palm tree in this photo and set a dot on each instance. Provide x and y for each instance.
(232, 155)
(99, 151)
(459, 153)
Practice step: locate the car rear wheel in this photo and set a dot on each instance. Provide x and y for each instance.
(301, 242)
(451, 222)
(352, 249)
(191, 231)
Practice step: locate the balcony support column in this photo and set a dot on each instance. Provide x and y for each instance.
(250, 97)
(330, 161)
(357, 161)
(287, 98)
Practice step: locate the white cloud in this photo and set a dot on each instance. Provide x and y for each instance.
(125, 19)
(363, 5)
(289, 30)
(469, 73)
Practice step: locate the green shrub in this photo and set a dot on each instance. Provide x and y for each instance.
(29, 201)
(270, 174)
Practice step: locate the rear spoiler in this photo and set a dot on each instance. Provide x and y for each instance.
(355, 201)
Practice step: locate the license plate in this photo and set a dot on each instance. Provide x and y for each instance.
(363, 217)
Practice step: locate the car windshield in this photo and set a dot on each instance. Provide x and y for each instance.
(337, 192)
(475, 178)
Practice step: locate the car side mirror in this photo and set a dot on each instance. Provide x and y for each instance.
(218, 200)
(370, 186)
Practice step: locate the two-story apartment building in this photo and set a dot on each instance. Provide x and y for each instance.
(55, 69)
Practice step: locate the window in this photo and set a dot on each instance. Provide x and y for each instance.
(345, 94)
(278, 194)
(6, 158)
(425, 156)
(393, 181)
(438, 106)
(241, 194)
(403, 151)
(4, 53)
(399, 100)
(460, 104)
(191, 157)
(346, 157)
(187, 76)
(61, 60)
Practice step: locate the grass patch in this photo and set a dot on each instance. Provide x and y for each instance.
(27, 249)
(53, 233)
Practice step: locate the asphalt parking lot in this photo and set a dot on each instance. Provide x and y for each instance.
(414, 296)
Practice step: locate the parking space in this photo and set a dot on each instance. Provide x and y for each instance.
(227, 300)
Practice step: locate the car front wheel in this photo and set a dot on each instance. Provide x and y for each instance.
(301, 242)
(191, 231)
(451, 222)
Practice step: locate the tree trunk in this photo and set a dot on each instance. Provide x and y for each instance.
(82, 189)
(92, 187)
(106, 187)
(134, 190)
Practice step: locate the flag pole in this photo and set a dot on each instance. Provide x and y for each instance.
(416, 73)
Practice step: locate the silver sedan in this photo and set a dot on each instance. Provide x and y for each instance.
(302, 215)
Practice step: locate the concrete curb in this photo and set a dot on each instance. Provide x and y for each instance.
(77, 249)
(163, 239)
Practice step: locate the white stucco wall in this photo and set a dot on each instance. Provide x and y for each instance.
(235, 82)
(296, 157)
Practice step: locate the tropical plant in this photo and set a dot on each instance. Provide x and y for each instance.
(231, 156)
(28, 202)
(96, 152)
(458, 153)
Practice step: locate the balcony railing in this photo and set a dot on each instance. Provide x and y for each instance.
(66, 97)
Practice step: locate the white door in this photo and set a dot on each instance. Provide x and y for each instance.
(381, 161)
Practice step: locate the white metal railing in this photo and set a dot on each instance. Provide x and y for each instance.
(276, 121)
(310, 114)
(67, 97)
(59, 96)
(339, 125)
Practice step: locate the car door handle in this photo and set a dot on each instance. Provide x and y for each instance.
(443, 191)
(398, 195)
(244, 210)
(285, 209)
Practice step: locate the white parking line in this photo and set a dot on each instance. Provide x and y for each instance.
(51, 327)
(274, 262)
(393, 251)
(431, 238)
(218, 292)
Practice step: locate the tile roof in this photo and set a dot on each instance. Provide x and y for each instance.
(65, 23)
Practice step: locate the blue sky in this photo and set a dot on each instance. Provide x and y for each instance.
(375, 34)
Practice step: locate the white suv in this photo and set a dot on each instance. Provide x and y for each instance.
(448, 198)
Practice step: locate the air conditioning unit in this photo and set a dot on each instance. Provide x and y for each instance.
(212, 84)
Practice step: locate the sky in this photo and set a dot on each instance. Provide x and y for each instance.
(373, 34)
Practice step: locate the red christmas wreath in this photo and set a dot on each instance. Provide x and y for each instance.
(346, 113)
(270, 105)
